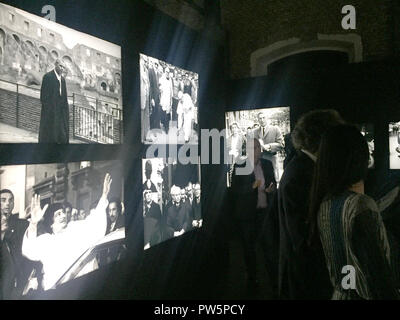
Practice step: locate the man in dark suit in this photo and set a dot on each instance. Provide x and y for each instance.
(177, 215)
(251, 194)
(154, 98)
(115, 215)
(152, 218)
(271, 140)
(148, 184)
(302, 269)
(54, 117)
(15, 267)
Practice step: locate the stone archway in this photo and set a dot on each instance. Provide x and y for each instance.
(350, 44)
(16, 38)
(43, 50)
(67, 60)
(2, 44)
(54, 54)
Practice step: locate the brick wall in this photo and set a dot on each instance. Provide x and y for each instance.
(8, 102)
(29, 113)
(256, 24)
(117, 131)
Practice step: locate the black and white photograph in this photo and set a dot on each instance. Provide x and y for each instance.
(270, 126)
(59, 221)
(367, 130)
(171, 200)
(57, 85)
(394, 145)
(169, 104)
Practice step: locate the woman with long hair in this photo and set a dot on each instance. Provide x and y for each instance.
(348, 222)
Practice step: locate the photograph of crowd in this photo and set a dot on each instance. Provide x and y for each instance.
(169, 104)
(57, 85)
(271, 126)
(171, 200)
(58, 222)
(394, 145)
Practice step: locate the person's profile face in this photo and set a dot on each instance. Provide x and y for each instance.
(113, 211)
(60, 220)
(262, 119)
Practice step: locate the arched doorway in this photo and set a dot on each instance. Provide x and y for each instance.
(43, 50)
(17, 39)
(326, 45)
(69, 65)
(2, 38)
(302, 62)
(54, 54)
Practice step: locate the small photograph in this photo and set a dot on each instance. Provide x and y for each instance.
(59, 221)
(394, 145)
(271, 126)
(57, 85)
(171, 200)
(367, 130)
(169, 104)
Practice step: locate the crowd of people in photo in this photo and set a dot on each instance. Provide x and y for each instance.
(169, 102)
(39, 248)
(321, 236)
(169, 211)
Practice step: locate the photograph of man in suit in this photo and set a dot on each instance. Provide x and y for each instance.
(54, 118)
(271, 141)
(15, 267)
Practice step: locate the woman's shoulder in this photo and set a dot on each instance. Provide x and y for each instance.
(362, 202)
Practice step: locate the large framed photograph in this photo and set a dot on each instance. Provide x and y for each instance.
(59, 221)
(271, 126)
(57, 85)
(171, 199)
(169, 103)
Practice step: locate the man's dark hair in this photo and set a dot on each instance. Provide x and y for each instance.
(117, 201)
(6, 191)
(48, 217)
(342, 161)
(67, 204)
(148, 169)
(234, 124)
(311, 126)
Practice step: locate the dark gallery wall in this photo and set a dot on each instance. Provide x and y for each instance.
(184, 267)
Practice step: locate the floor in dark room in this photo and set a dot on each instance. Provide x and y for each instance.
(235, 287)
